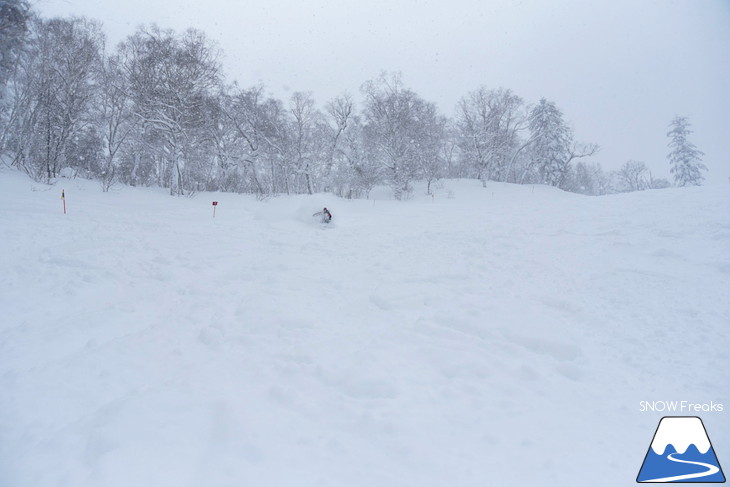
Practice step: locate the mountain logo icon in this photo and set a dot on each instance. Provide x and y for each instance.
(680, 452)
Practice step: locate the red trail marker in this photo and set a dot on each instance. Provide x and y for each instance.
(63, 198)
(215, 203)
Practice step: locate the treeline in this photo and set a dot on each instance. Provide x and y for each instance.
(157, 110)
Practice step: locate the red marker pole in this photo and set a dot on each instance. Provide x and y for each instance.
(63, 198)
(215, 203)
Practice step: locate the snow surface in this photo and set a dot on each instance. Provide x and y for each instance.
(486, 336)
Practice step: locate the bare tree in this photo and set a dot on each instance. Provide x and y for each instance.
(259, 144)
(632, 176)
(586, 178)
(340, 111)
(454, 166)
(432, 146)
(658, 183)
(399, 131)
(51, 123)
(489, 123)
(309, 139)
(170, 79)
(116, 117)
(352, 173)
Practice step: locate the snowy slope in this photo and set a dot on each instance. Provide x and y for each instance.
(498, 336)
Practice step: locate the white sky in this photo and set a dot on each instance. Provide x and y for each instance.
(619, 69)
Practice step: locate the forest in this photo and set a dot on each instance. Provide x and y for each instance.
(157, 110)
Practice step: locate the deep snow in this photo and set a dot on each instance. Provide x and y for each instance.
(487, 336)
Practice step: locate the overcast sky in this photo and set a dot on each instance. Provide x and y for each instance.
(619, 69)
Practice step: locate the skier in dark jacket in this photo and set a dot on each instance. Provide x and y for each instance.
(326, 216)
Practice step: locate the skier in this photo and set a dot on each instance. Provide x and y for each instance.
(326, 215)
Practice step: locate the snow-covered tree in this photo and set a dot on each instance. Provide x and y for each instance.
(352, 174)
(488, 123)
(53, 94)
(632, 176)
(685, 160)
(552, 148)
(249, 138)
(454, 164)
(171, 77)
(14, 18)
(273, 120)
(308, 142)
(658, 183)
(223, 172)
(339, 113)
(433, 147)
(551, 138)
(115, 116)
(400, 131)
(589, 179)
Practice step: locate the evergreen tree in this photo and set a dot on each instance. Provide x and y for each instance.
(552, 139)
(685, 160)
(552, 148)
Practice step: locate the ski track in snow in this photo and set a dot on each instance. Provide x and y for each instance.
(500, 336)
